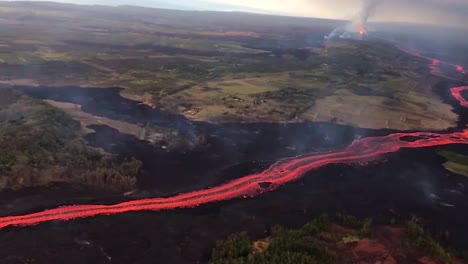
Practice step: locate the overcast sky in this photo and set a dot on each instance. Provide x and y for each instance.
(442, 12)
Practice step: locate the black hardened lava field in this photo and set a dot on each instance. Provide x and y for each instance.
(144, 135)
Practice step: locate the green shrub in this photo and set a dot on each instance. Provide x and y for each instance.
(317, 225)
(286, 246)
(235, 248)
(424, 242)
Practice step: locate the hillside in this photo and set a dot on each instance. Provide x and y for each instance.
(343, 239)
(42, 145)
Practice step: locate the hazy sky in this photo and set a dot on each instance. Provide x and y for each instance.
(449, 12)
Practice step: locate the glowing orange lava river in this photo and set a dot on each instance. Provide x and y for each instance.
(280, 173)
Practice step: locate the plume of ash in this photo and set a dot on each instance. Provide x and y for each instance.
(368, 9)
(358, 24)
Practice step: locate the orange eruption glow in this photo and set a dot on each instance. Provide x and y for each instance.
(456, 93)
(278, 174)
(362, 30)
(282, 172)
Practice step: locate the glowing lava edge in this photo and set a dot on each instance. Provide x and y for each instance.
(282, 172)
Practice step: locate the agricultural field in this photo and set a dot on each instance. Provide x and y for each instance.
(220, 72)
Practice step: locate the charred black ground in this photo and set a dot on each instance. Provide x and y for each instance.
(398, 186)
(401, 185)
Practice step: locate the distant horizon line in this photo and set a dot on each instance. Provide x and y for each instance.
(224, 11)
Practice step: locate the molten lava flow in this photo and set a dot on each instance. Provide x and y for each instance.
(280, 173)
(456, 93)
(435, 69)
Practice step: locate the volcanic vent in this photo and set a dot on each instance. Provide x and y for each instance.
(357, 28)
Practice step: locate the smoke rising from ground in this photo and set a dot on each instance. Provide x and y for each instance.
(368, 9)
(358, 24)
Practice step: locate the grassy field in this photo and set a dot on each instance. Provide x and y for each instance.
(220, 69)
(150, 133)
(456, 163)
(380, 112)
(378, 97)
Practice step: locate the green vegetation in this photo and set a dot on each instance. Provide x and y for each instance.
(41, 144)
(285, 246)
(345, 239)
(423, 241)
(362, 225)
(220, 71)
(456, 163)
(235, 249)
